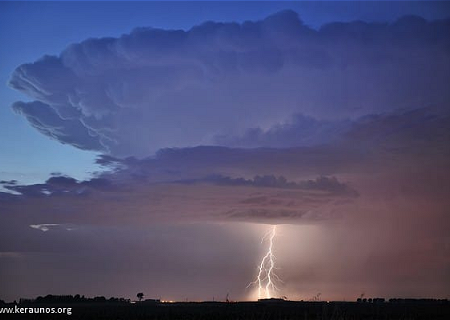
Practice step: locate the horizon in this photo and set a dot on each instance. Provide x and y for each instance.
(51, 298)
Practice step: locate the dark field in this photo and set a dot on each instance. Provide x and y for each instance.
(283, 310)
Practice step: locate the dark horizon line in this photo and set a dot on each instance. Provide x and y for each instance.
(77, 298)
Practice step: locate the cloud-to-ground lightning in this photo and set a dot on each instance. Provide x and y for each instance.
(267, 277)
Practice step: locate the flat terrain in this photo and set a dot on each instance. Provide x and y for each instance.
(282, 310)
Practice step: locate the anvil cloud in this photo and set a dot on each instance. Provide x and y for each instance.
(154, 88)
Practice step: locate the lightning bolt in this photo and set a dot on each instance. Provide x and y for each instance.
(266, 270)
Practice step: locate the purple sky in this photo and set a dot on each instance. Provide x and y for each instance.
(203, 136)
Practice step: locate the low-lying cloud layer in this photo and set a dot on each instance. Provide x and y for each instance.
(121, 199)
(154, 88)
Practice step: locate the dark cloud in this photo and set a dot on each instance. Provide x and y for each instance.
(399, 128)
(254, 200)
(211, 83)
(8, 182)
(61, 181)
(328, 184)
(62, 185)
(403, 131)
(300, 131)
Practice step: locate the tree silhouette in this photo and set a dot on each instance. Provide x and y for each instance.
(140, 296)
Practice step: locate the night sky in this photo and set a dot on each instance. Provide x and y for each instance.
(149, 146)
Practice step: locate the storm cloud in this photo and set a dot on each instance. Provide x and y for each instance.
(155, 88)
(400, 215)
(287, 185)
(339, 135)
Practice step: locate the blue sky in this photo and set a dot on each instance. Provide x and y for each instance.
(30, 30)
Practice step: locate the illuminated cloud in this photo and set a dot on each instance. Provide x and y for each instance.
(44, 227)
(154, 88)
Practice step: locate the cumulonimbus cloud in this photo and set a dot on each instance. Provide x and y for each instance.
(154, 88)
(291, 185)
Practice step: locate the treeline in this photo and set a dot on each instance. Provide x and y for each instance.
(67, 299)
(423, 300)
(370, 300)
(50, 299)
(401, 300)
